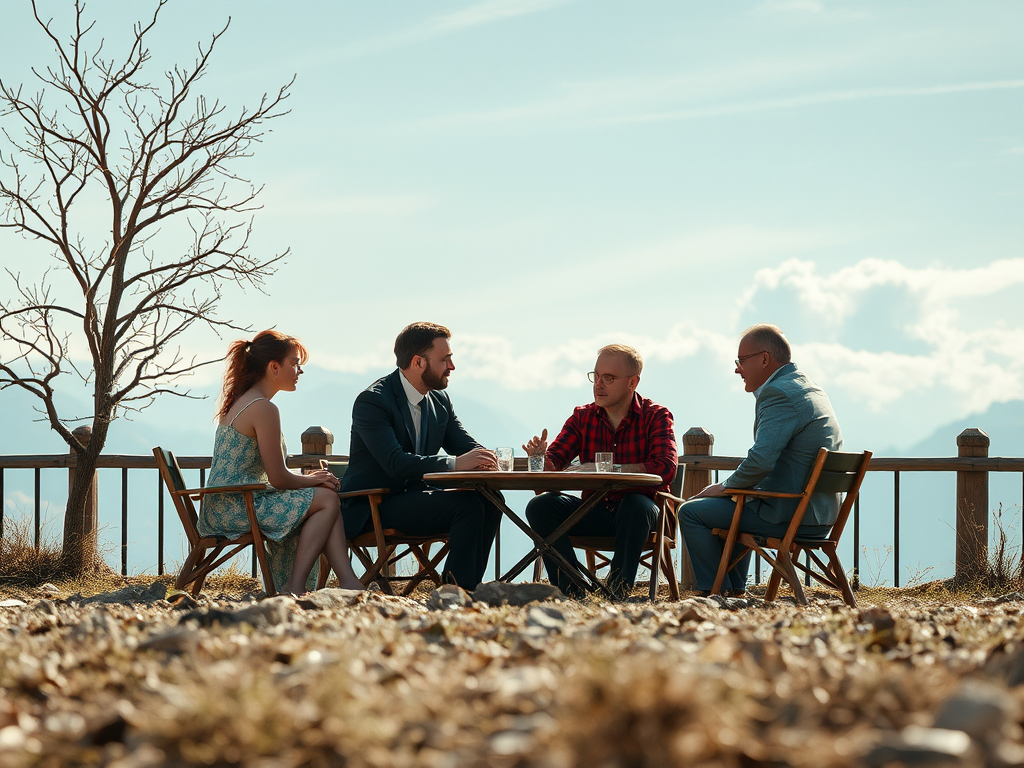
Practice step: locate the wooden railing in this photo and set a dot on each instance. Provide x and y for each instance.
(972, 467)
(971, 502)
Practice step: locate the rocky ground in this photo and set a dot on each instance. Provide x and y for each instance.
(140, 677)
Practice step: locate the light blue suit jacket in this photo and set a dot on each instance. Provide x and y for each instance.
(793, 419)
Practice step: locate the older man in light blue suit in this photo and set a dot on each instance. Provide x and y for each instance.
(793, 420)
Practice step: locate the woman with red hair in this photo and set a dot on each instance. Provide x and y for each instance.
(301, 517)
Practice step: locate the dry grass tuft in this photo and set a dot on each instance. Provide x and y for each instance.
(24, 565)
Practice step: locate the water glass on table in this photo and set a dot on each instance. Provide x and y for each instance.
(604, 461)
(535, 462)
(506, 459)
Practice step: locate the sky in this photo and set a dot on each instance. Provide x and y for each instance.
(545, 177)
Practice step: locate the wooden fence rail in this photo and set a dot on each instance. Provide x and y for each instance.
(696, 459)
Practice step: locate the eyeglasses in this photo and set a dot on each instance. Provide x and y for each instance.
(606, 378)
(739, 360)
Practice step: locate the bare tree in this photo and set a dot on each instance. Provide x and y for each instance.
(98, 142)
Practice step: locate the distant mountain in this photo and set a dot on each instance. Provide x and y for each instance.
(1002, 422)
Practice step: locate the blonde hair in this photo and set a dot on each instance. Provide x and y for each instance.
(626, 351)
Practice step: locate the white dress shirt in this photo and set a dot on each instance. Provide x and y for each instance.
(417, 402)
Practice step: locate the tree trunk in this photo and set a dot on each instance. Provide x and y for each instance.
(80, 553)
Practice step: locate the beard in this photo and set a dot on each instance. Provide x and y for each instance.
(433, 381)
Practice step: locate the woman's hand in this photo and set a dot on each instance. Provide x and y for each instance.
(326, 479)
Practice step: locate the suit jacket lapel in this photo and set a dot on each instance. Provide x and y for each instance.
(398, 391)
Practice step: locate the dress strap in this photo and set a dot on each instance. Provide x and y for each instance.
(243, 408)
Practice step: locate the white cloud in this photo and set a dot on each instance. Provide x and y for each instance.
(645, 100)
(350, 205)
(811, 99)
(805, 6)
(477, 15)
(611, 99)
(976, 357)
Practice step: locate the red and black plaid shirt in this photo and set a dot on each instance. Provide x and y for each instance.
(645, 436)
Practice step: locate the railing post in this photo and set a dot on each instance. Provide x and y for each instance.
(696, 442)
(971, 508)
(317, 441)
(89, 521)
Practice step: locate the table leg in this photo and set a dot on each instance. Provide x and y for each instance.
(580, 576)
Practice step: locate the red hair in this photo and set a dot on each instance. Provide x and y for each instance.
(247, 363)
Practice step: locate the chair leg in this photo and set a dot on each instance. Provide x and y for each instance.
(257, 543)
(730, 542)
(840, 576)
(591, 561)
(187, 568)
(784, 561)
(428, 570)
(325, 572)
(773, 585)
(656, 558)
(670, 572)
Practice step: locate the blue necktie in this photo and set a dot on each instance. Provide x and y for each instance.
(422, 446)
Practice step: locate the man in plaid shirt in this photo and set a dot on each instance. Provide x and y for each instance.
(639, 433)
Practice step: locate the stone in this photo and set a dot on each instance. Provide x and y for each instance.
(12, 603)
(177, 640)
(269, 612)
(45, 607)
(694, 610)
(327, 599)
(48, 589)
(545, 617)
(880, 627)
(131, 595)
(448, 596)
(915, 745)
(496, 593)
(978, 709)
(182, 601)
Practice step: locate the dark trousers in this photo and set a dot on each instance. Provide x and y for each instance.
(470, 520)
(698, 517)
(630, 520)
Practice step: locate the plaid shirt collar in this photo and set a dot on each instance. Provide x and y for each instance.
(634, 411)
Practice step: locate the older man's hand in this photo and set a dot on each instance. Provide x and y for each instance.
(717, 489)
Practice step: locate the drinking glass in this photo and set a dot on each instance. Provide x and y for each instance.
(505, 459)
(536, 462)
(604, 461)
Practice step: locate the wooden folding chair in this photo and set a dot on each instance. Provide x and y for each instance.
(205, 551)
(657, 551)
(832, 472)
(388, 544)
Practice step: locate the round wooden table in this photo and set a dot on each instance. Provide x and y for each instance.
(488, 485)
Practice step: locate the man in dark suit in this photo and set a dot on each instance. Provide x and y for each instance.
(399, 425)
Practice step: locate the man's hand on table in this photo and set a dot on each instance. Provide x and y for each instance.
(476, 459)
(717, 489)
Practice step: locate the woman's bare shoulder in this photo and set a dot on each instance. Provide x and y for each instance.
(254, 405)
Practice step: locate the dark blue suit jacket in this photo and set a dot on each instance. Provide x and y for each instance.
(382, 452)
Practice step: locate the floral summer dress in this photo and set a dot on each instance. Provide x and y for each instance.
(236, 461)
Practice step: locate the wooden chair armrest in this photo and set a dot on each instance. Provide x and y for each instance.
(366, 492)
(763, 494)
(196, 493)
